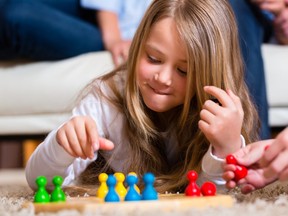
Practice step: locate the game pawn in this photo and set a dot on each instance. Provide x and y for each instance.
(103, 188)
(111, 196)
(135, 186)
(240, 172)
(149, 192)
(58, 194)
(208, 189)
(192, 188)
(132, 194)
(41, 195)
(120, 188)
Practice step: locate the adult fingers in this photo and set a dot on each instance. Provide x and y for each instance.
(277, 166)
(252, 153)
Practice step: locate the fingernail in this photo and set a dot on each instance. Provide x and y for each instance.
(96, 145)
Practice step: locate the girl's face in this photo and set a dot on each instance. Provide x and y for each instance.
(161, 72)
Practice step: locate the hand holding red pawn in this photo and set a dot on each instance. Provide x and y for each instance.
(240, 172)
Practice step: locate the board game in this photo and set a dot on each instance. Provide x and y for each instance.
(165, 203)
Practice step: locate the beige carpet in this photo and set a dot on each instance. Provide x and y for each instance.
(272, 200)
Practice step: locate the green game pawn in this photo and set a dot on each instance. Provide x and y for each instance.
(41, 195)
(58, 194)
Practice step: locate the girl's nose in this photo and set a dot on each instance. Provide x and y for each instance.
(164, 77)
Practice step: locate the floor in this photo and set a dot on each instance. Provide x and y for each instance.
(12, 177)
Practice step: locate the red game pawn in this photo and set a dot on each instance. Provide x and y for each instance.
(208, 189)
(192, 188)
(240, 172)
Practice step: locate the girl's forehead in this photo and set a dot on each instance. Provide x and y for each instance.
(164, 35)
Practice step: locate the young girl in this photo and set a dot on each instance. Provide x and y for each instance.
(154, 113)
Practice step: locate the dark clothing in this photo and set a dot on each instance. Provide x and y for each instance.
(252, 25)
(46, 29)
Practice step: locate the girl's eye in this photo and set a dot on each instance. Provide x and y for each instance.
(153, 60)
(182, 72)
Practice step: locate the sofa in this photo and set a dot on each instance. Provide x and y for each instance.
(36, 97)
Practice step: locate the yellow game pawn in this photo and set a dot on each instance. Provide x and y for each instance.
(103, 188)
(135, 186)
(120, 188)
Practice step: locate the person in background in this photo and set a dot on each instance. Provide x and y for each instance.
(58, 29)
(266, 162)
(155, 113)
(118, 21)
(255, 24)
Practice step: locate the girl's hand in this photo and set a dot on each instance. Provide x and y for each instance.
(273, 6)
(249, 157)
(222, 124)
(79, 137)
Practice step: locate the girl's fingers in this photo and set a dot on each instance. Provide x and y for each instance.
(207, 116)
(105, 144)
(247, 188)
(204, 126)
(74, 143)
(230, 184)
(228, 175)
(93, 138)
(236, 100)
(62, 140)
(82, 137)
(220, 94)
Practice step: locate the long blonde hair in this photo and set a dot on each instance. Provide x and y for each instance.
(209, 32)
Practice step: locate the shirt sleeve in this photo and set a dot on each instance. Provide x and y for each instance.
(212, 168)
(110, 5)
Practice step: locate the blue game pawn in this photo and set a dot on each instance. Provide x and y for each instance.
(111, 196)
(149, 192)
(132, 194)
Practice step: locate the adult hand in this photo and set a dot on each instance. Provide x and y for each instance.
(119, 51)
(275, 159)
(273, 6)
(281, 27)
(249, 157)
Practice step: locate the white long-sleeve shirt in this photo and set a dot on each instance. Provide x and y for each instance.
(50, 159)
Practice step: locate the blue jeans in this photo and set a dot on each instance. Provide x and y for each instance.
(251, 25)
(46, 29)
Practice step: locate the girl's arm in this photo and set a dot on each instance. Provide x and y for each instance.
(54, 157)
(49, 159)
